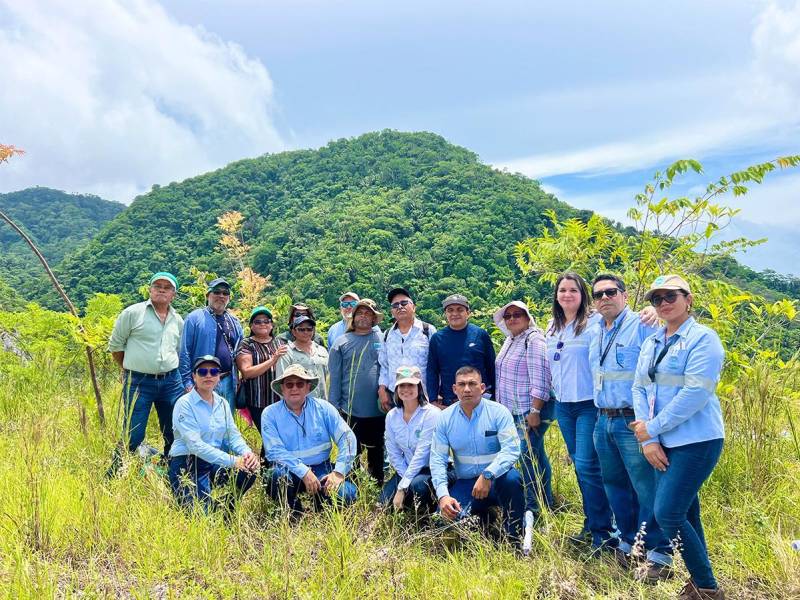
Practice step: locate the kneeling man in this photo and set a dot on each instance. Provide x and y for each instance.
(485, 446)
(298, 434)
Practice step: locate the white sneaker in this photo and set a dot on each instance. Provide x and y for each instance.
(527, 540)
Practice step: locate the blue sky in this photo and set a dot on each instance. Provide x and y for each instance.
(589, 98)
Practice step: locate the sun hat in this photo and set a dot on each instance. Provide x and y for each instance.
(498, 319)
(667, 282)
(294, 370)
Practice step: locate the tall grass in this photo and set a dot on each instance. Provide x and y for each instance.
(66, 531)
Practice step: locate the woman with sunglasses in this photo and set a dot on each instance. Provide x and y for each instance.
(679, 423)
(408, 436)
(299, 310)
(256, 358)
(303, 350)
(568, 339)
(522, 385)
(208, 451)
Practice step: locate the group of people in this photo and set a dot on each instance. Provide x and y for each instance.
(461, 426)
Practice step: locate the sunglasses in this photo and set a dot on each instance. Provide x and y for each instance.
(290, 385)
(304, 329)
(516, 315)
(221, 292)
(262, 322)
(609, 293)
(400, 303)
(348, 304)
(669, 298)
(559, 347)
(206, 371)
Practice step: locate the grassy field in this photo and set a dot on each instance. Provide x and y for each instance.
(67, 532)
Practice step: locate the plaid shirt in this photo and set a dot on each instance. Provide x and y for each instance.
(523, 371)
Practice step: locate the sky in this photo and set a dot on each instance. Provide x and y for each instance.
(113, 96)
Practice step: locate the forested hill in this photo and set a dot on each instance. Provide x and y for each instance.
(56, 221)
(363, 213)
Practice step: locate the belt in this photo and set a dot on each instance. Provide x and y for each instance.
(617, 412)
(153, 376)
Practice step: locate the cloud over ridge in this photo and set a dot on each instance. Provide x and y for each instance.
(112, 96)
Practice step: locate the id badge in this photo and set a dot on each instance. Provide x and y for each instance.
(651, 401)
(598, 381)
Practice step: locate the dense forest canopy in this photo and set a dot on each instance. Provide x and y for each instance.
(366, 213)
(57, 222)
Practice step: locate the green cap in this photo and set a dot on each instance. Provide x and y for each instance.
(260, 310)
(166, 277)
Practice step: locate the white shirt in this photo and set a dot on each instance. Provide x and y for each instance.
(409, 444)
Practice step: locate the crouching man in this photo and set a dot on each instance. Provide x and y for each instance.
(485, 446)
(298, 434)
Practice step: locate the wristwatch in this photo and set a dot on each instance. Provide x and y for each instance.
(488, 475)
(535, 410)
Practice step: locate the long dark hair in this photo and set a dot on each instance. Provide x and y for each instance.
(559, 318)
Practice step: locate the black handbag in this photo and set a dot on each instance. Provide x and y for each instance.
(240, 398)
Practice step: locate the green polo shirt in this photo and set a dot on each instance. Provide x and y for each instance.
(149, 346)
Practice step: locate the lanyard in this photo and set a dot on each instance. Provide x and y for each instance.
(651, 372)
(610, 342)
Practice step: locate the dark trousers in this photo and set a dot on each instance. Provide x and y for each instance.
(369, 434)
(255, 413)
(140, 393)
(677, 505)
(507, 492)
(193, 479)
(283, 486)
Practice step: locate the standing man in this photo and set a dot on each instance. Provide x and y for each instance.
(299, 433)
(354, 372)
(460, 343)
(347, 302)
(485, 445)
(213, 331)
(405, 343)
(629, 480)
(145, 342)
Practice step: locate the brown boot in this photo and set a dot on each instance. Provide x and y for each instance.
(691, 592)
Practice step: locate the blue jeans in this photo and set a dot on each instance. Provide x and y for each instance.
(630, 484)
(506, 492)
(139, 394)
(192, 479)
(283, 486)
(227, 389)
(577, 420)
(677, 506)
(420, 493)
(537, 474)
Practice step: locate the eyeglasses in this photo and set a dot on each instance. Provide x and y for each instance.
(348, 304)
(516, 315)
(669, 298)
(289, 385)
(401, 303)
(609, 293)
(557, 355)
(205, 371)
(304, 329)
(221, 292)
(261, 322)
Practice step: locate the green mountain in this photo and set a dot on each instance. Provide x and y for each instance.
(57, 222)
(364, 213)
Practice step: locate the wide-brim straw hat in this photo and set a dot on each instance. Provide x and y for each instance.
(294, 370)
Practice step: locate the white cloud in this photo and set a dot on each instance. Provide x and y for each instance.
(650, 123)
(110, 97)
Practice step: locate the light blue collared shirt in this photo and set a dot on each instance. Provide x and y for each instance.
(486, 442)
(685, 407)
(409, 444)
(571, 373)
(335, 331)
(206, 431)
(621, 345)
(299, 442)
(407, 350)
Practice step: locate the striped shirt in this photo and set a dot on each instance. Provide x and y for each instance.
(258, 391)
(522, 371)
